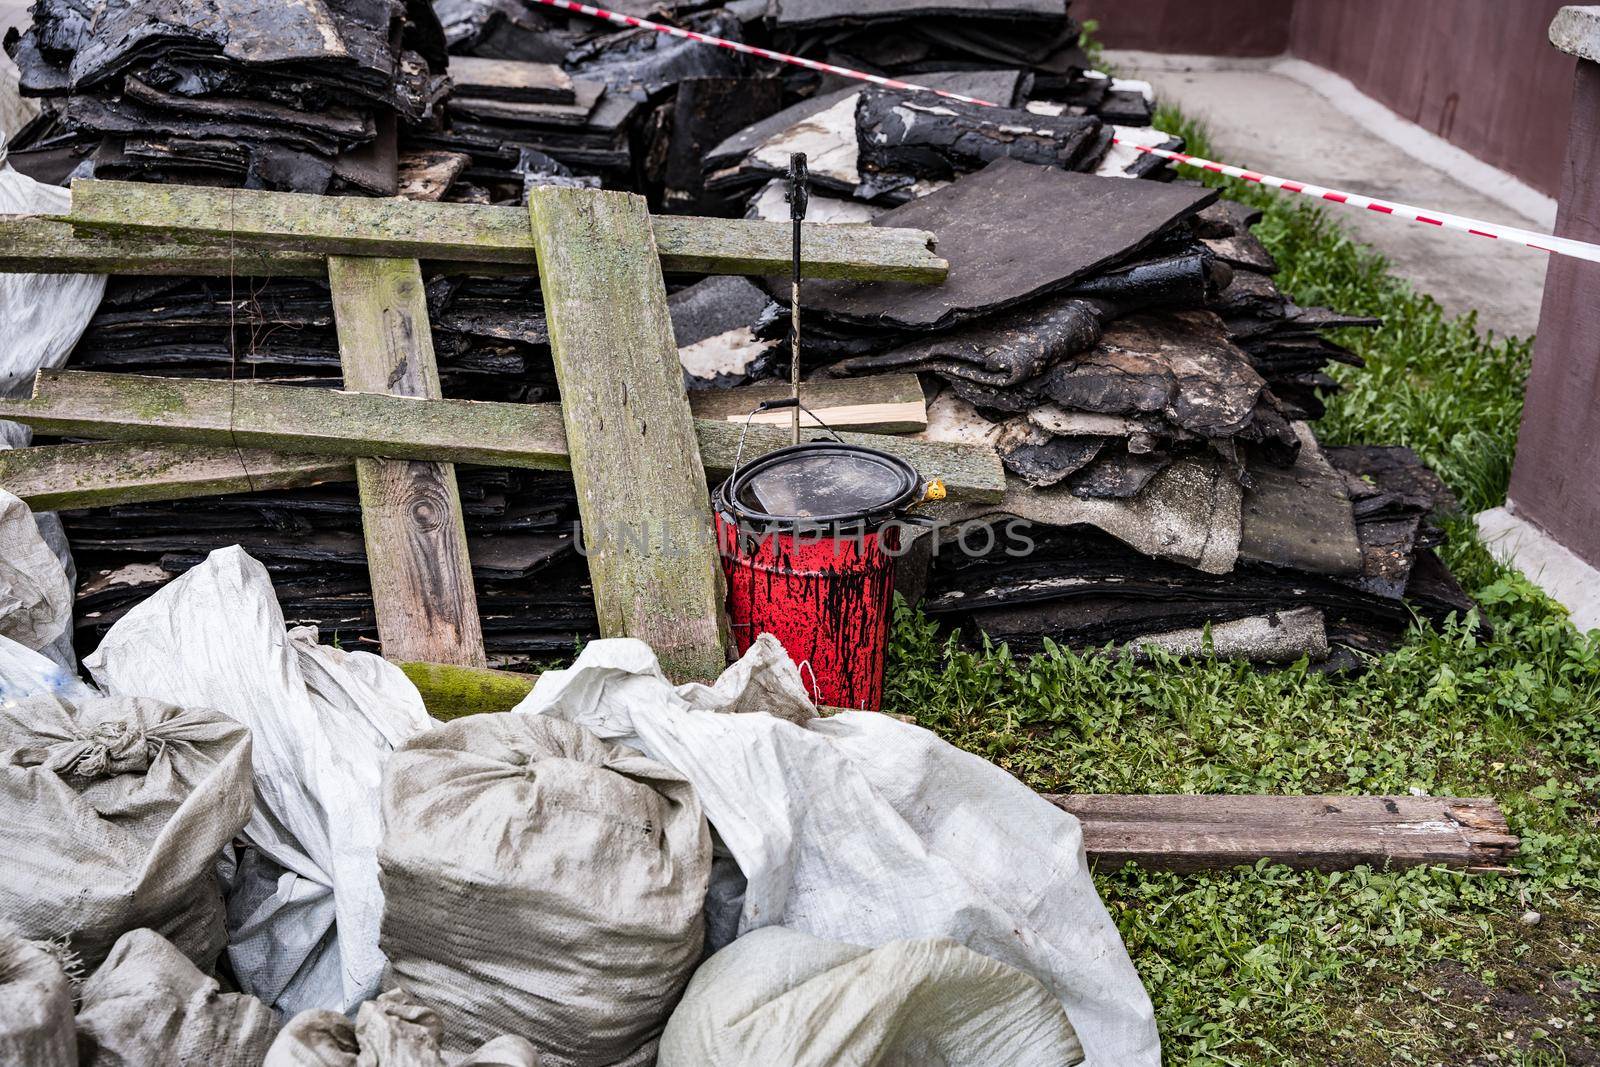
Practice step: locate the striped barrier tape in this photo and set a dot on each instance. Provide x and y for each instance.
(1443, 219)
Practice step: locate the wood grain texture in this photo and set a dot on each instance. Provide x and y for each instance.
(883, 403)
(289, 419)
(63, 477)
(337, 225)
(411, 517)
(45, 244)
(630, 434)
(1325, 833)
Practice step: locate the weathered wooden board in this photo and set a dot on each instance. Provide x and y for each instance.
(337, 225)
(62, 477)
(969, 472)
(510, 79)
(1325, 833)
(286, 418)
(44, 244)
(630, 434)
(411, 517)
(883, 403)
(260, 415)
(450, 691)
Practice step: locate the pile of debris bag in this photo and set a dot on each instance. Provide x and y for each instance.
(1114, 332)
(236, 840)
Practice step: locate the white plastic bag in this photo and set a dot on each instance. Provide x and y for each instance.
(540, 881)
(394, 1030)
(863, 829)
(35, 593)
(35, 1005)
(112, 813)
(26, 673)
(41, 315)
(780, 998)
(324, 722)
(147, 1004)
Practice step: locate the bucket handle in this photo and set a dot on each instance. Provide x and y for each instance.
(777, 405)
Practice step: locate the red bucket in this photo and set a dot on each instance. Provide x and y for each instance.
(808, 543)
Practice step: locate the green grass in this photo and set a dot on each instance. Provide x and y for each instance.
(1269, 966)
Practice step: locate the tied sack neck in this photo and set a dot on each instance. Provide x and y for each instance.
(111, 748)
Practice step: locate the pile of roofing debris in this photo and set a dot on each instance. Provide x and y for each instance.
(1121, 342)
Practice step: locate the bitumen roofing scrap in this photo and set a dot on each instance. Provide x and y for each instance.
(305, 96)
(1114, 331)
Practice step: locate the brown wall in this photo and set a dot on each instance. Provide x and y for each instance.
(1480, 73)
(1198, 27)
(1555, 481)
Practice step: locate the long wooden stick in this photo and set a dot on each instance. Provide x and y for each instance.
(1326, 833)
(319, 422)
(1170, 832)
(264, 222)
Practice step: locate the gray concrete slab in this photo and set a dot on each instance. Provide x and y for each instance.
(1261, 118)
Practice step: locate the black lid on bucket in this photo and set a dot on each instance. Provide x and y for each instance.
(821, 481)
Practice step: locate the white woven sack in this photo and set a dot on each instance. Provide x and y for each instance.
(112, 814)
(392, 1031)
(540, 881)
(781, 998)
(863, 829)
(35, 1005)
(324, 721)
(147, 1005)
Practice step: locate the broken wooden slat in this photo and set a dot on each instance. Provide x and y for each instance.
(630, 434)
(411, 517)
(1325, 833)
(209, 411)
(337, 225)
(43, 244)
(262, 415)
(63, 477)
(883, 403)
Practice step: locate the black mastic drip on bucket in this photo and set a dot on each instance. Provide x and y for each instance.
(808, 550)
(822, 482)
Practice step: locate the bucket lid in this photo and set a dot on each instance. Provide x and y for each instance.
(822, 481)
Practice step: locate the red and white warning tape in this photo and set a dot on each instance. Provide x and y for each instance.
(1477, 227)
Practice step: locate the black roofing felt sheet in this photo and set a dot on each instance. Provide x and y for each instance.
(1011, 231)
(998, 85)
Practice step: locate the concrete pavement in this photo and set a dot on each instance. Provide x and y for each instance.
(1262, 114)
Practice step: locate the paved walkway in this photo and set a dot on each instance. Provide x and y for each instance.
(1260, 117)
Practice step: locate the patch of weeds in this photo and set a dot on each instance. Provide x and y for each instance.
(1265, 965)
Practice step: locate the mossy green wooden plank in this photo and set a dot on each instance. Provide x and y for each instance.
(411, 519)
(133, 407)
(482, 233)
(63, 477)
(630, 434)
(45, 244)
(261, 415)
(450, 691)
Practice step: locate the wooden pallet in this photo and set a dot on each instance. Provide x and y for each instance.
(626, 429)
